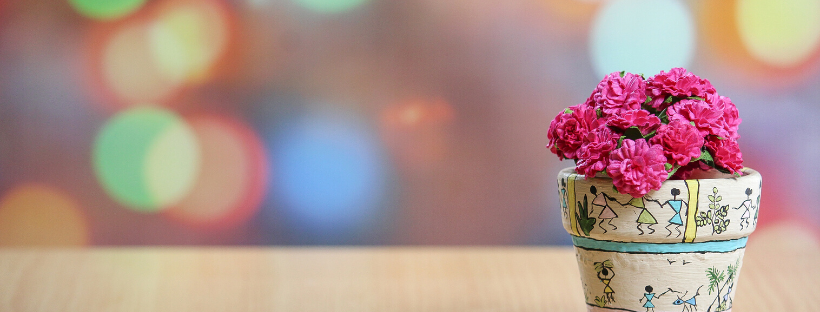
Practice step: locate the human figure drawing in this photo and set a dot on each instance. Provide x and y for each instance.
(645, 217)
(676, 205)
(649, 296)
(605, 274)
(747, 205)
(564, 206)
(607, 214)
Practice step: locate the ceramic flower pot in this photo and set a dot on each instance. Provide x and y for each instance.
(679, 248)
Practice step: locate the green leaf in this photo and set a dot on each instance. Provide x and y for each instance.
(719, 198)
(711, 198)
(599, 112)
(669, 99)
(567, 111)
(623, 73)
(663, 116)
(633, 133)
(706, 158)
(648, 99)
(674, 169)
(620, 141)
(692, 123)
(668, 166)
(696, 98)
(711, 206)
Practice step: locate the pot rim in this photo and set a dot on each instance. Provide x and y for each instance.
(747, 173)
(693, 207)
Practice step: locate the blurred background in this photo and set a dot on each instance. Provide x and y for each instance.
(298, 122)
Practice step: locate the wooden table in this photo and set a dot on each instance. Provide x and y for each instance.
(779, 274)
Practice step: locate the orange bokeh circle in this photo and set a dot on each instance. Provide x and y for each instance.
(233, 175)
(40, 215)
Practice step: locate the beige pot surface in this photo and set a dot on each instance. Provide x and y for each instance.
(679, 248)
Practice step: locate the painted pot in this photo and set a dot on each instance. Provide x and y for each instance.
(679, 248)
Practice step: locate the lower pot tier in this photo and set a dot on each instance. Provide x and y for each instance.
(673, 279)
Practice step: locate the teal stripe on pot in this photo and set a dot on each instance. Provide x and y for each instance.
(659, 248)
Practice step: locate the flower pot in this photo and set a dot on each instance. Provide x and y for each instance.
(679, 248)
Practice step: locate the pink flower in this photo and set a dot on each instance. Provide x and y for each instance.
(637, 167)
(569, 129)
(615, 93)
(726, 153)
(707, 119)
(593, 156)
(681, 142)
(677, 82)
(730, 119)
(643, 119)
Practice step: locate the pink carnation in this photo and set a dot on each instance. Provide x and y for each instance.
(681, 142)
(726, 153)
(677, 82)
(707, 119)
(637, 167)
(615, 93)
(569, 129)
(593, 155)
(643, 119)
(730, 119)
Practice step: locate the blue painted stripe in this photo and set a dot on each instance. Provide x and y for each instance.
(714, 246)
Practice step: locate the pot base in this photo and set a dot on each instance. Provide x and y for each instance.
(698, 281)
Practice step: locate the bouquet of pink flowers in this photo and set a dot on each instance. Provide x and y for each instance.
(641, 132)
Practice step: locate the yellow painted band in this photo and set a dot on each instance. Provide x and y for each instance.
(573, 222)
(691, 211)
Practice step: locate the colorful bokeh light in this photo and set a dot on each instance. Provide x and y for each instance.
(233, 178)
(641, 36)
(40, 215)
(418, 132)
(187, 37)
(106, 9)
(330, 6)
(330, 173)
(781, 33)
(129, 68)
(146, 158)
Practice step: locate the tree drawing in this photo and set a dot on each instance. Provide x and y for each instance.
(714, 215)
(585, 222)
(716, 277)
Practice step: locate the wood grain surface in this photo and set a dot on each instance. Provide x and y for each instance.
(779, 274)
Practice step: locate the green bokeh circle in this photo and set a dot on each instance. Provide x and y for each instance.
(330, 6)
(125, 156)
(106, 9)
